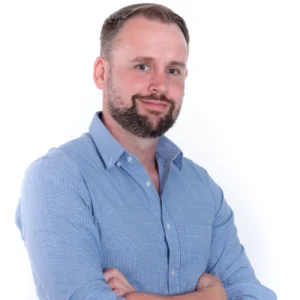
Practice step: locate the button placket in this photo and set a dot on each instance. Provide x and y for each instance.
(174, 251)
(173, 273)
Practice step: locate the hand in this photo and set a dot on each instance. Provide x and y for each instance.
(117, 282)
(212, 286)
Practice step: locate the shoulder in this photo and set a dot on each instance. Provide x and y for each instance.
(202, 176)
(63, 163)
(192, 168)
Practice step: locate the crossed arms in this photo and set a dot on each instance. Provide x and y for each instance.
(63, 243)
(208, 287)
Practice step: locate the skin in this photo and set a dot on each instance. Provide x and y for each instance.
(208, 287)
(148, 59)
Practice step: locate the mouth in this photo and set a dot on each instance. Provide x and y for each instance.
(155, 104)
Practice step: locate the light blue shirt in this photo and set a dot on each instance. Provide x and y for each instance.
(89, 205)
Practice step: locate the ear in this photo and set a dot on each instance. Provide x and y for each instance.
(99, 72)
(186, 73)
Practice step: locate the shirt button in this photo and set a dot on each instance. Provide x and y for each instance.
(168, 226)
(148, 183)
(129, 159)
(118, 163)
(173, 272)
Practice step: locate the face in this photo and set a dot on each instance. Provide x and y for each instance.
(145, 77)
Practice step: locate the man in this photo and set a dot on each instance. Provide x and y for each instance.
(119, 213)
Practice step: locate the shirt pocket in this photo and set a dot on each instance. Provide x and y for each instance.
(199, 241)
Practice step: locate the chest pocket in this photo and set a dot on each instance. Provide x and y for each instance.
(199, 241)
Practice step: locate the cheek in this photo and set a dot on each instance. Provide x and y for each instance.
(176, 91)
(131, 83)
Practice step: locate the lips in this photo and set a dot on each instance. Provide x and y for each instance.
(155, 104)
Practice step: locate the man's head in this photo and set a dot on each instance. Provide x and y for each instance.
(142, 68)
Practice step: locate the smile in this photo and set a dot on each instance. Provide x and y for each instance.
(155, 105)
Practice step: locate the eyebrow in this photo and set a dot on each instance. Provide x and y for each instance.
(178, 63)
(143, 59)
(149, 59)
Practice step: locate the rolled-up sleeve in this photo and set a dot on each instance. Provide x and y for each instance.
(59, 232)
(228, 259)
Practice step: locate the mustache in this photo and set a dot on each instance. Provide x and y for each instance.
(153, 97)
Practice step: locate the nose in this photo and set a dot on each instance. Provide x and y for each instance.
(159, 83)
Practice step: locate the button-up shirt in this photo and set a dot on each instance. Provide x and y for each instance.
(89, 204)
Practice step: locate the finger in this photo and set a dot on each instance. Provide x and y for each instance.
(114, 273)
(110, 273)
(115, 283)
(119, 289)
(124, 281)
(120, 292)
(206, 280)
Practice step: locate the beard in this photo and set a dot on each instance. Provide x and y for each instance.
(131, 120)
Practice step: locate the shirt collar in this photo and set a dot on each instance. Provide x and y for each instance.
(111, 150)
(169, 151)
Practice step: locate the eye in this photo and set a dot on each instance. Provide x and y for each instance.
(142, 67)
(174, 71)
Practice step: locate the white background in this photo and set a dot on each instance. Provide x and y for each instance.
(240, 117)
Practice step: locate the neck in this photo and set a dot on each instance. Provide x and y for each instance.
(143, 148)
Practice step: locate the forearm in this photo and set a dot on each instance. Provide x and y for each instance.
(197, 295)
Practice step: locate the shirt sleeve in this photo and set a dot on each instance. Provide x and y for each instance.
(228, 260)
(59, 232)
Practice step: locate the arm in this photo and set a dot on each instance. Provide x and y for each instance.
(62, 240)
(208, 287)
(145, 296)
(228, 259)
(59, 232)
(215, 292)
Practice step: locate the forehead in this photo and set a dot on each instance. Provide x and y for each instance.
(142, 37)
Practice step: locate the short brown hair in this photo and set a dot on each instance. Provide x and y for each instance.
(150, 11)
